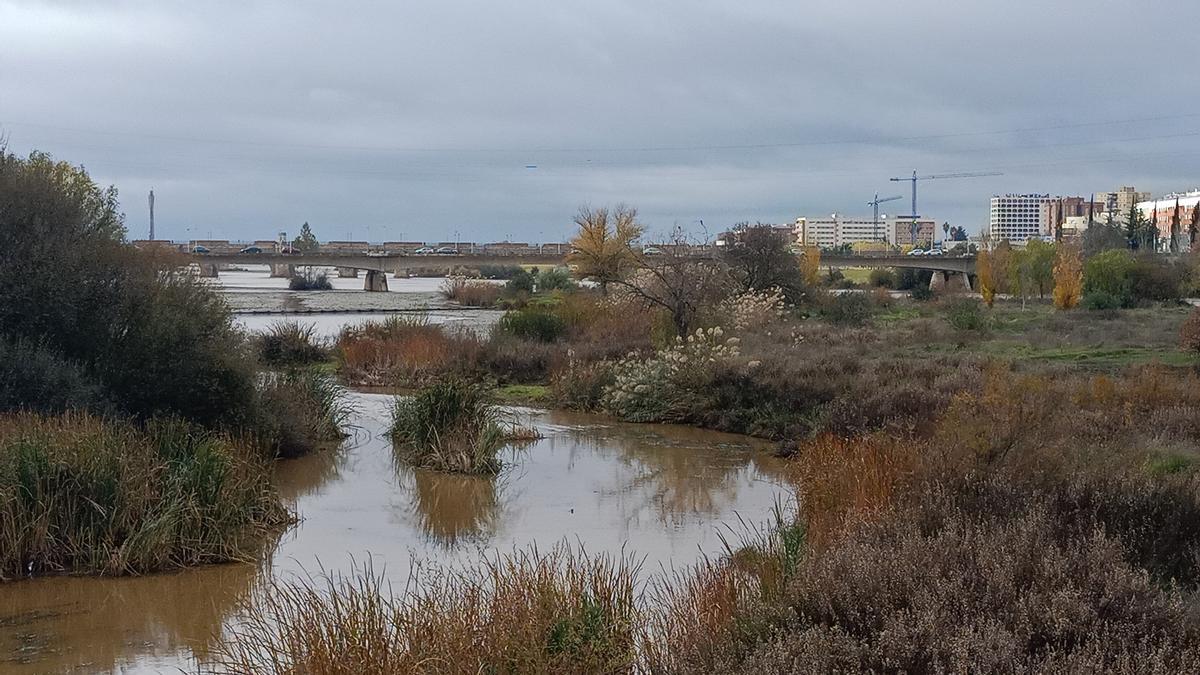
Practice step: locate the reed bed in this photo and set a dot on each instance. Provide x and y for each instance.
(290, 344)
(301, 411)
(83, 495)
(471, 292)
(450, 426)
(564, 611)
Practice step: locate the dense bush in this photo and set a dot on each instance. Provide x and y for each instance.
(555, 279)
(847, 309)
(673, 384)
(1154, 278)
(520, 282)
(499, 271)
(83, 495)
(310, 282)
(513, 360)
(156, 340)
(289, 343)
(882, 278)
(1189, 332)
(966, 314)
(37, 379)
(1107, 278)
(533, 323)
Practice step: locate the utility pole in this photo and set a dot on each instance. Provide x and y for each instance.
(151, 214)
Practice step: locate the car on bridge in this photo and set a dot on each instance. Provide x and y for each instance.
(652, 250)
(200, 249)
(251, 250)
(424, 250)
(447, 250)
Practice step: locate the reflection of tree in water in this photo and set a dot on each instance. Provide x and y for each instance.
(450, 508)
(680, 471)
(101, 624)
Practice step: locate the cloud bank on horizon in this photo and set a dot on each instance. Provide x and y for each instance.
(419, 120)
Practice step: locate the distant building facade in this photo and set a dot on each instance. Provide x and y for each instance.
(1174, 212)
(1016, 218)
(902, 233)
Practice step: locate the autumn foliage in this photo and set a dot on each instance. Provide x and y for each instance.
(1068, 276)
(810, 265)
(603, 249)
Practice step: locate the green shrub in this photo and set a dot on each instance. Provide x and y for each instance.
(533, 323)
(449, 426)
(81, 495)
(1154, 278)
(34, 378)
(520, 282)
(499, 271)
(847, 309)
(156, 339)
(289, 343)
(556, 279)
(1109, 277)
(882, 278)
(921, 293)
(966, 314)
(310, 282)
(1102, 301)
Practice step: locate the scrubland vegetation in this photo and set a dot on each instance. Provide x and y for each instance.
(136, 424)
(1006, 484)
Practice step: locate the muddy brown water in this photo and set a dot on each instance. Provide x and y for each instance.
(662, 492)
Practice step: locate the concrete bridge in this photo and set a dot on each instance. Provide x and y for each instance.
(377, 267)
(948, 271)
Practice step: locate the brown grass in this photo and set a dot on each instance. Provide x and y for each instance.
(403, 350)
(471, 292)
(528, 612)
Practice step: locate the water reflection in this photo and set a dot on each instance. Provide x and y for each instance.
(660, 492)
(451, 508)
(160, 622)
(674, 470)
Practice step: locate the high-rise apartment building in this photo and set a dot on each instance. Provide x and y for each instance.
(1017, 218)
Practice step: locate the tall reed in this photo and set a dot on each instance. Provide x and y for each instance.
(82, 495)
(449, 426)
(528, 612)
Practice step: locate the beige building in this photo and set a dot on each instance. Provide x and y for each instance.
(901, 231)
(1122, 200)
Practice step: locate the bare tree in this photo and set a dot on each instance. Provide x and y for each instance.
(679, 281)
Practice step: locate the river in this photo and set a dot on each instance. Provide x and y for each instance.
(664, 493)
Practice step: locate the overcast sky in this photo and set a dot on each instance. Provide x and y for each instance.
(418, 119)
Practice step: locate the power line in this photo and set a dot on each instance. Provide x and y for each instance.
(665, 148)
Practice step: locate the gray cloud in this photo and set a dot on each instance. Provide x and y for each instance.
(419, 118)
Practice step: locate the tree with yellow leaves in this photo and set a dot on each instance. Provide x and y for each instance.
(1068, 276)
(603, 250)
(810, 265)
(985, 274)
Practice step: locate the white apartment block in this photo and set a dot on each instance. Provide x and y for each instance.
(836, 230)
(1016, 218)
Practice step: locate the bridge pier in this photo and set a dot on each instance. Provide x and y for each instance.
(375, 281)
(208, 270)
(347, 272)
(282, 271)
(953, 282)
